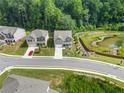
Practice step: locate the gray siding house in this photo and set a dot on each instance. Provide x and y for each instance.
(37, 38)
(63, 38)
(10, 35)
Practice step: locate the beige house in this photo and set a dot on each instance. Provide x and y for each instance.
(63, 38)
(37, 38)
(10, 35)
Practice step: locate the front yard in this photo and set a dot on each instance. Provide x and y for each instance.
(44, 52)
(75, 50)
(47, 50)
(19, 48)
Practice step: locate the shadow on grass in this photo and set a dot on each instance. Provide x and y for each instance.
(24, 44)
(50, 43)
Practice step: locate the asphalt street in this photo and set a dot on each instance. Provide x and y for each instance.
(70, 63)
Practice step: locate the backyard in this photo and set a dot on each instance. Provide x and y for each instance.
(70, 82)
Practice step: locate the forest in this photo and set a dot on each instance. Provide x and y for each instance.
(63, 14)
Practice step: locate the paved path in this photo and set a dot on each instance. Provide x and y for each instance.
(70, 63)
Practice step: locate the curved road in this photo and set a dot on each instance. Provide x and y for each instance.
(70, 63)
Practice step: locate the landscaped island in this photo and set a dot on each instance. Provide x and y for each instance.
(70, 82)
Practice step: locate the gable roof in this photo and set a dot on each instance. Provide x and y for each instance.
(63, 34)
(6, 29)
(38, 33)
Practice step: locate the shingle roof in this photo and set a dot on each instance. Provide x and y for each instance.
(38, 33)
(63, 34)
(6, 29)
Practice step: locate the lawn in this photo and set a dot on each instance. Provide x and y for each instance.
(44, 52)
(71, 82)
(49, 50)
(19, 48)
(106, 59)
(74, 51)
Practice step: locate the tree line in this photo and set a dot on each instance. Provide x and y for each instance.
(63, 14)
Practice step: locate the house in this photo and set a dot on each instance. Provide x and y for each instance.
(37, 38)
(63, 38)
(10, 35)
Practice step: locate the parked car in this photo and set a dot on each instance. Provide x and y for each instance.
(30, 53)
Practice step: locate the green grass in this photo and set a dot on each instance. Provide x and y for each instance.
(50, 43)
(3, 77)
(71, 82)
(106, 59)
(14, 49)
(113, 40)
(44, 52)
(74, 51)
(89, 37)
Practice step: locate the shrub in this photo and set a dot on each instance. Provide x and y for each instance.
(121, 51)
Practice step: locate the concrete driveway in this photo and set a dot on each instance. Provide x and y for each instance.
(26, 55)
(58, 52)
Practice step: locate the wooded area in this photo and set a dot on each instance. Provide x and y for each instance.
(63, 14)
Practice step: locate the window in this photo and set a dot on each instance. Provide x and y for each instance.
(29, 40)
(41, 39)
(68, 39)
(9, 35)
(59, 41)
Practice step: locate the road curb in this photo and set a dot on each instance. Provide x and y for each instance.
(10, 55)
(18, 56)
(68, 69)
(100, 62)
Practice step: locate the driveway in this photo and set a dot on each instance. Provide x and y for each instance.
(58, 52)
(27, 54)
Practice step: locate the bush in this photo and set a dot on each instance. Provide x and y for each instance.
(121, 51)
(90, 27)
(114, 27)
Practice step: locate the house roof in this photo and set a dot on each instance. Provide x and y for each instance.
(6, 29)
(38, 33)
(63, 34)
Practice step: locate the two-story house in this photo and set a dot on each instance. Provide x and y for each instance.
(37, 38)
(63, 38)
(10, 35)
